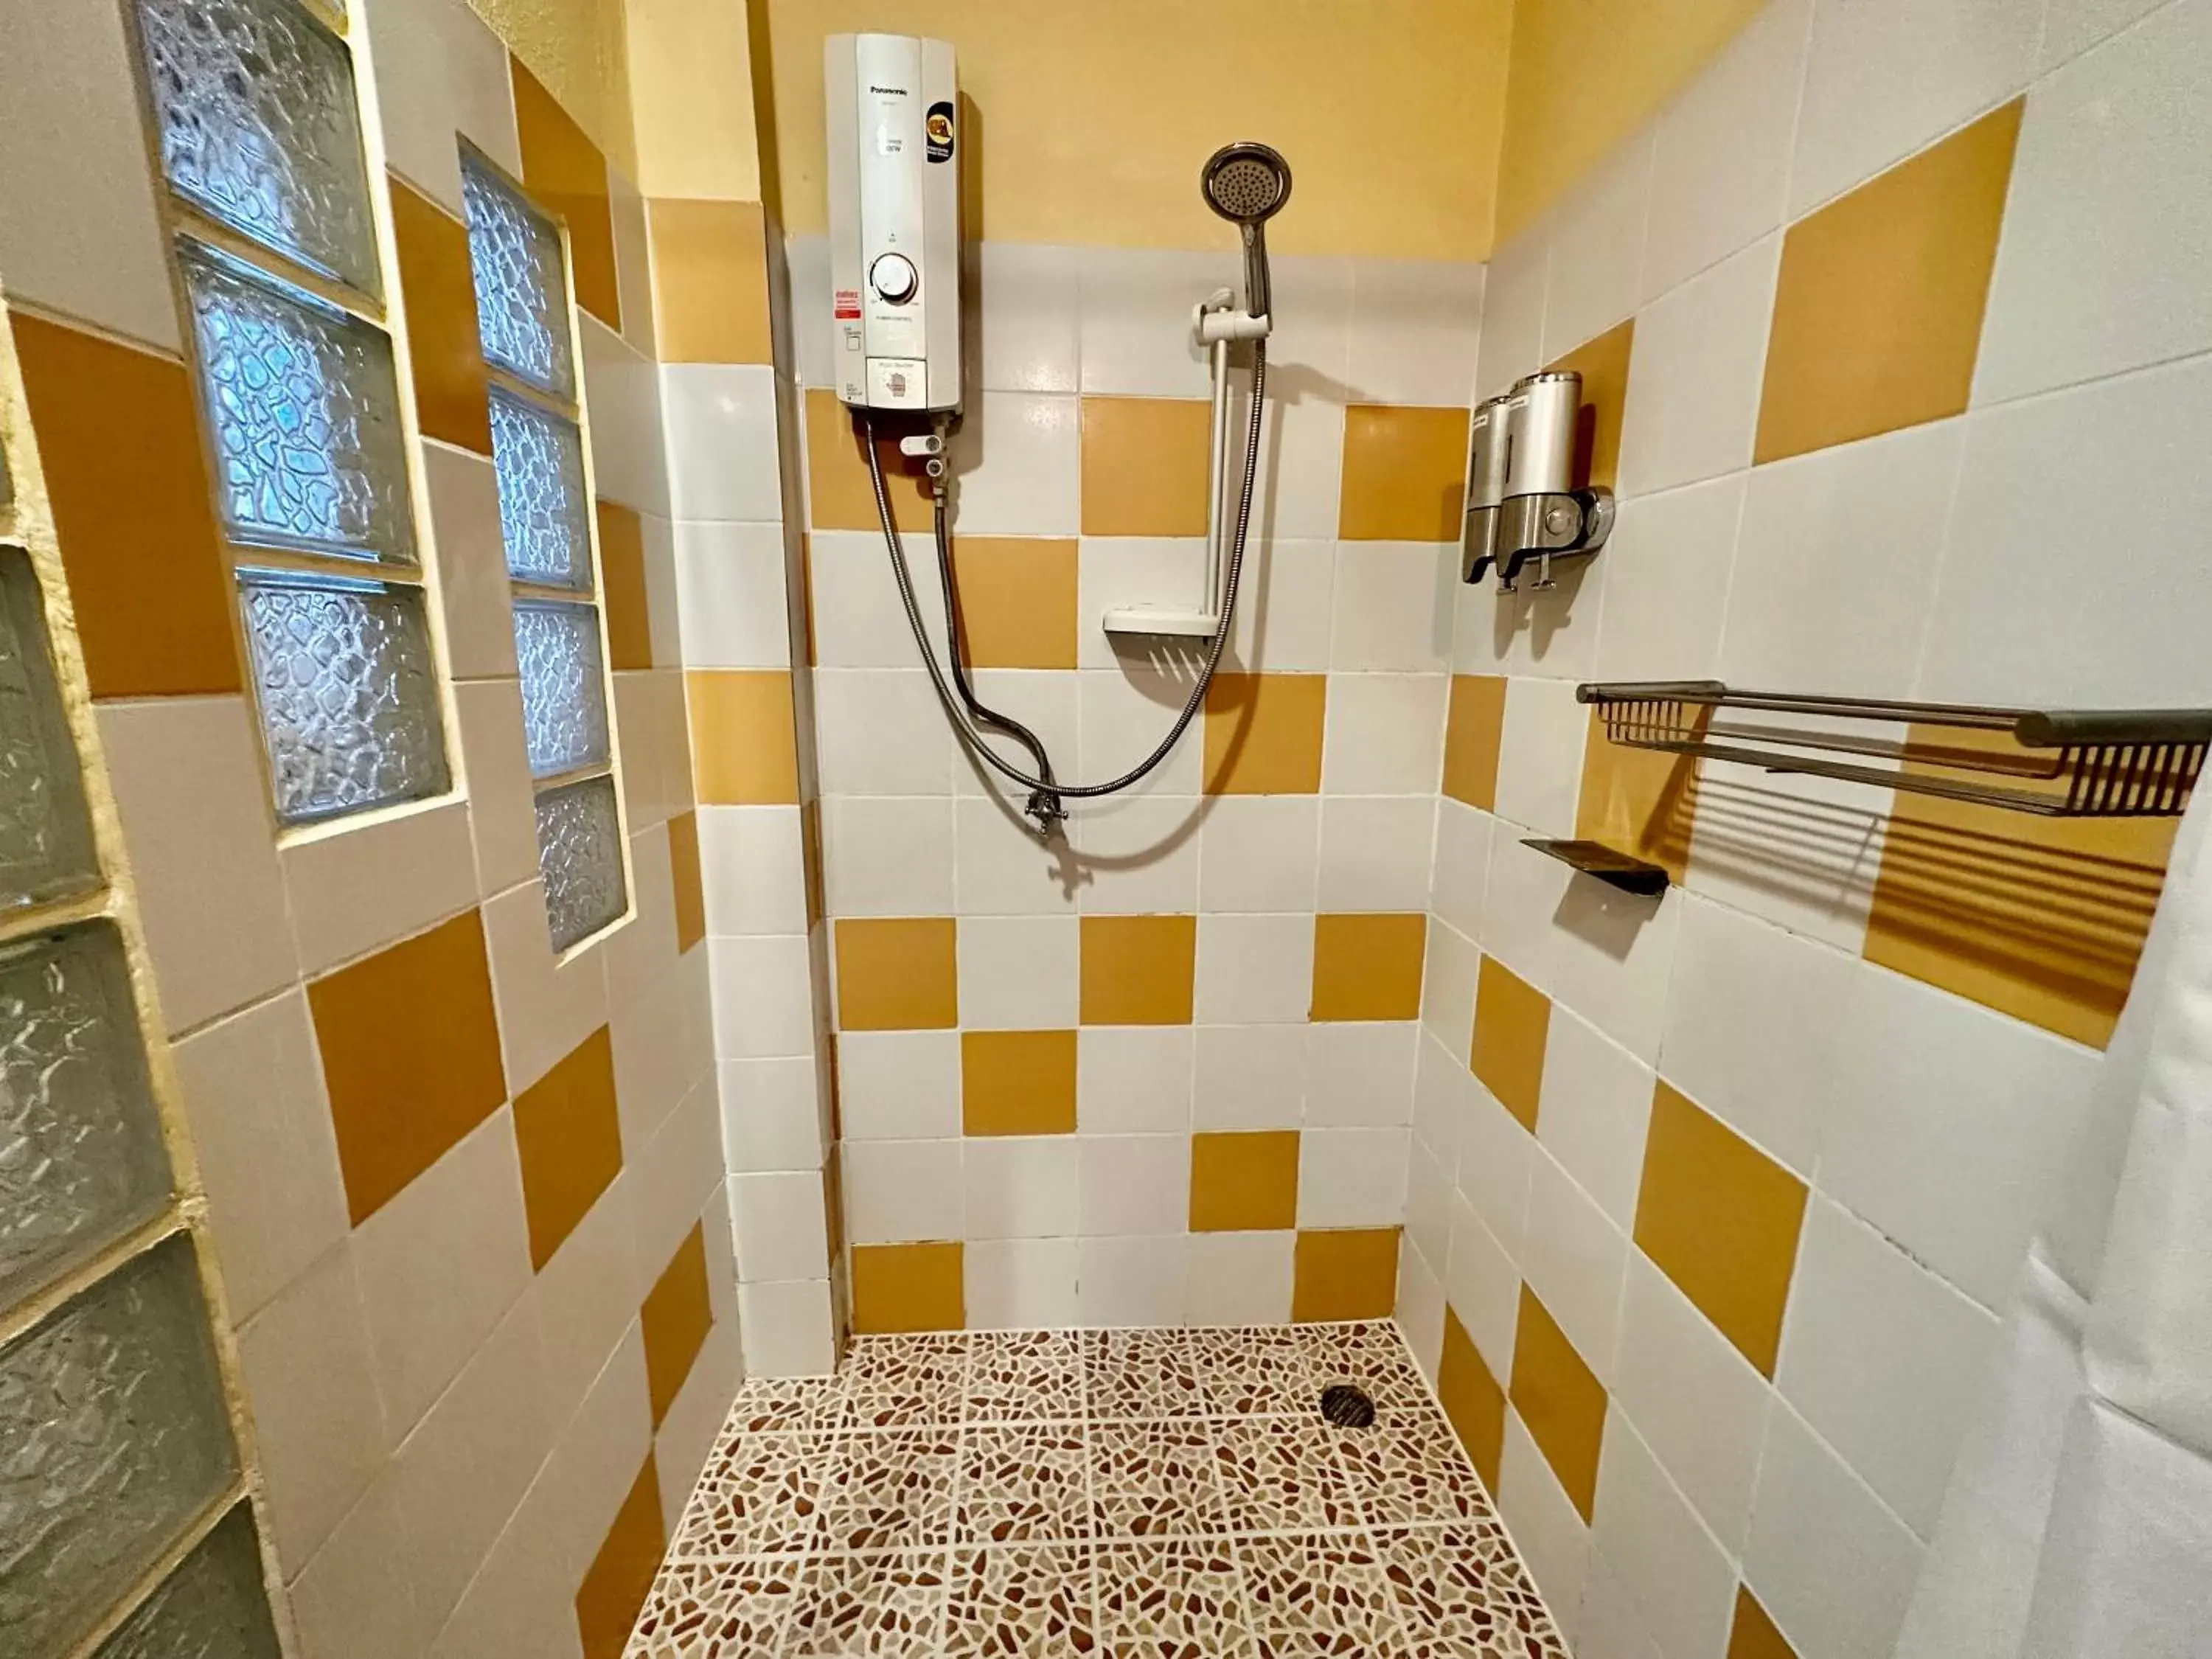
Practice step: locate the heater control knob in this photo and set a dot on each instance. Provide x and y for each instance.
(894, 277)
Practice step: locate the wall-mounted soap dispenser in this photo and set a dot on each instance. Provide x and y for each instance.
(1522, 500)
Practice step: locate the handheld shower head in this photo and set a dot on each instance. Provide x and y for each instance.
(1247, 184)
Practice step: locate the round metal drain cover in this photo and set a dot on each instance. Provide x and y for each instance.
(1346, 1405)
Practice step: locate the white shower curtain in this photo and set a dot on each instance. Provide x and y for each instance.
(2078, 1523)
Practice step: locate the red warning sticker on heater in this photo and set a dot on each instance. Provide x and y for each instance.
(848, 303)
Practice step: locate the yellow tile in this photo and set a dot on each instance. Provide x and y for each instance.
(410, 1042)
(690, 897)
(1368, 967)
(908, 1287)
(838, 487)
(1512, 1021)
(1560, 1401)
(1244, 1183)
(1475, 726)
(1017, 600)
(451, 401)
(1720, 1219)
(1472, 1399)
(567, 174)
(1017, 1083)
(1405, 474)
(1602, 362)
(1639, 801)
(118, 440)
(622, 587)
(622, 1571)
(677, 1313)
(1878, 312)
(568, 1132)
(744, 743)
(1137, 970)
(1263, 733)
(897, 973)
(1144, 463)
(1753, 1635)
(1345, 1273)
(709, 281)
(2040, 918)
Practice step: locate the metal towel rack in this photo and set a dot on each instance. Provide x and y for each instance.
(2063, 763)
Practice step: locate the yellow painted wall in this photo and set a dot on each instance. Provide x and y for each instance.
(691, 88)
(1585, 74)
(580, 49)
(1095, 114)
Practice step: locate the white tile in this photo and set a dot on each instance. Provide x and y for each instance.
(1137, 302)
(752, 870)
(1394, 606)
(675, 1177)
(1420, 1312)
(1883, 1360)
(887, 855)
(1132, 1281)
(1451, 963)
(2012, 621)
(897, 1086)
(1540, 756)
(694, 1421)
(1554, 1541)
(1612, 1625)
(518, 1605)
(1723, 165)
(1431, 1199)
(2070, 27)
(1018, 462)
(588, 1295)
(814, 342)
(355, 1598)
(1667, 568)
(859, 619)
(1415, 325)
(1135, 854)
(1382, 734)
(1513, 311)
(462, 494)
(1801, 852)
(1549, 632)
(1147, 572)
(787, 1328)
(1359, 1075)
(1125, 713)
(1952, 1127)
(1483, 1284)
(1836, 564)
(355, 887)
(771, 1113)
(633, 449)
(1046, 701)
(1312, 311)
(730, 595)
(1886, 77)
(1612, 958)
(781, 1225)
(1259, 853)
(1832, 1566)
(1284, 604)
(1250, 1076)
(881, 733)
(1017, 972)
(1521, 892)
(1134, 1079)
(1694, 378)
(1597, 246)
(1352, 1177)
(1298, 488)
(1241, 1278)
(1001, 868)
(1375, 852)
(1494, 1155)
(1133, 1184)
(902, 1192)
(594, 1462)
(1024, 317)
(1021, 1186)
(1576, 1260)
(1682, 1580)
(1462, 865)
(763, 997)
(722, 445)
(1020, 1284)
(1597, 1109)
(496, 759)
(1442, 1084)
(1254, 969)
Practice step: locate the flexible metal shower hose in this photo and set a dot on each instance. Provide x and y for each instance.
(1044, 784)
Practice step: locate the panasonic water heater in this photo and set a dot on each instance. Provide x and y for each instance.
(894, 136)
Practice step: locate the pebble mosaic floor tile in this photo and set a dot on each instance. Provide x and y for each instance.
(1139, 1494)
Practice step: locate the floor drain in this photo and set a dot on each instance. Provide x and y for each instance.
(1348, 1405)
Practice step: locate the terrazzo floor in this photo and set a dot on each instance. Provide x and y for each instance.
(1127, 1494)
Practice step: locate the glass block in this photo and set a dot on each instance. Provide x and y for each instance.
(580, 854)
(305, 408)
(348, 701)
(111, 1412)
(45, 835)
(82, 1160)
(214, 1606)
(522, 291)
(539, 460)
(259, 128)
(564, 707)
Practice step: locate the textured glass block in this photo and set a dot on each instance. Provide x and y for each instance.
(214, 1606)
(255, 102)
(112, 1415)
(348, 701)
(564, 706)
(82, 1160)
(580, 854)
(539, 461)
(522, 292)
(305, 407)
(45, 835)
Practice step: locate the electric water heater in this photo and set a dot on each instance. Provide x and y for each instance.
(893, 109)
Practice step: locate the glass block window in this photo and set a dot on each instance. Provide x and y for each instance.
(545, 519)
(45, 835)
(212, 1607)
